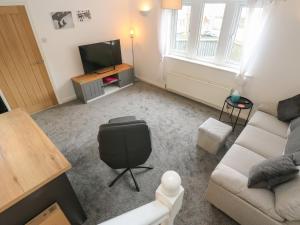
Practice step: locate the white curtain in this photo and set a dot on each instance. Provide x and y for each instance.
(258, 16)
(164, 38)
(164, 31)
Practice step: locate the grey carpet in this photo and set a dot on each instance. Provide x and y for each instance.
(173, 121)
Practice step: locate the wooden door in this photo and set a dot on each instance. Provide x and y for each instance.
(23, 77)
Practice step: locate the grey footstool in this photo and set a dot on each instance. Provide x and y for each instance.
(212, 135)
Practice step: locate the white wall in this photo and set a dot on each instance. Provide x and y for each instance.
(110, 20)
(277, 70)
(147, 56)
(277, 73)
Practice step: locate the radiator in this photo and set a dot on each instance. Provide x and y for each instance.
(209, 93)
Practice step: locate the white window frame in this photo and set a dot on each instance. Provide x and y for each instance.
(228, 32)
(173, 32)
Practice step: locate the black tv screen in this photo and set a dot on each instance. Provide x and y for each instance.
(98, 56)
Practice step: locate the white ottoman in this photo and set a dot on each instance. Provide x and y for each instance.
(212, 135)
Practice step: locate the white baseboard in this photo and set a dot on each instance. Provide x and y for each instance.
(67, 99)
(146, 80)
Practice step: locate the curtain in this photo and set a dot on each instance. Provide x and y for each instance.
(164, 37)
(164, 31)
(259, 12)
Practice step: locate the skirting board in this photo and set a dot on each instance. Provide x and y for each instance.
(151, 82)
(67, 99)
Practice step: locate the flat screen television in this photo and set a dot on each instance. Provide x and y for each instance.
(99, 56)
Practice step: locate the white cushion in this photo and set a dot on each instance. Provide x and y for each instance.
(241, 159)
(262, 142)
(212, 135)
(287, 197)
(232, 174)
(268, 107)
(269, 123)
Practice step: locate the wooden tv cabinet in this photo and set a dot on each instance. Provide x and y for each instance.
(89, 87)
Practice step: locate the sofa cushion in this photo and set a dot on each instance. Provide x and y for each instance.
(289, 109)
(296, 158)
(295, 123)
(232, 174)
(287, 198)
(272, 172)
(261, 142)
(269, 108)
(293, 142)
(269, 123)
(241, 164)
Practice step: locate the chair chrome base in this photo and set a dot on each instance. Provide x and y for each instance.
(129, 169)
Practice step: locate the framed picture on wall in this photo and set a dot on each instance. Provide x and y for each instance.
(84, 15)
(62, 20)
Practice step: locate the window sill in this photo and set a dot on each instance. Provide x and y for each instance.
(207, 64)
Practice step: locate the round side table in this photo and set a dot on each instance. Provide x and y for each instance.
(242, 104)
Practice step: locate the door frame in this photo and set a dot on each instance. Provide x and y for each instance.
(37, 39)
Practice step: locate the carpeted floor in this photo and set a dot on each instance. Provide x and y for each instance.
(173, 121)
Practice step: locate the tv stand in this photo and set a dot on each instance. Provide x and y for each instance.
(105, 70)
(89, 87)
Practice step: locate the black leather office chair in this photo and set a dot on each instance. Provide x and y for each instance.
(125, 143)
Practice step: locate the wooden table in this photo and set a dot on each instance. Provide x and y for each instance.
(32, 172)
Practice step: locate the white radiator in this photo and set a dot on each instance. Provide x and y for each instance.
(200, 90)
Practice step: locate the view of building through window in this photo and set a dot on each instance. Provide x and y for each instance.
(197, 29)
(210, 29)
(182, 29)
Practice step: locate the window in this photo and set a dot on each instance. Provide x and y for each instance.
(210, 29)
(213, 31)
(182, 28)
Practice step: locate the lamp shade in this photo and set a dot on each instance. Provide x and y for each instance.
(171, 4)
(132, 32)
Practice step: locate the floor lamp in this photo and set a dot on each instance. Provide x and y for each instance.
(132, 34)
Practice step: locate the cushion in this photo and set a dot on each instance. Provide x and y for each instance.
(269, 123)
(296, 158)
(293, 142)
(269, 108)
(289, 109)
(232, 175)
(287, 197)
(288, 131)
(241, 159)
(272, 172)
(295, 123)
(261, 142)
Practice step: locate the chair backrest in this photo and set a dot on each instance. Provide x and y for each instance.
(124, 145)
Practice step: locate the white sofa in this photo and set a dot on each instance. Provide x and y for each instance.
(264, 137)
